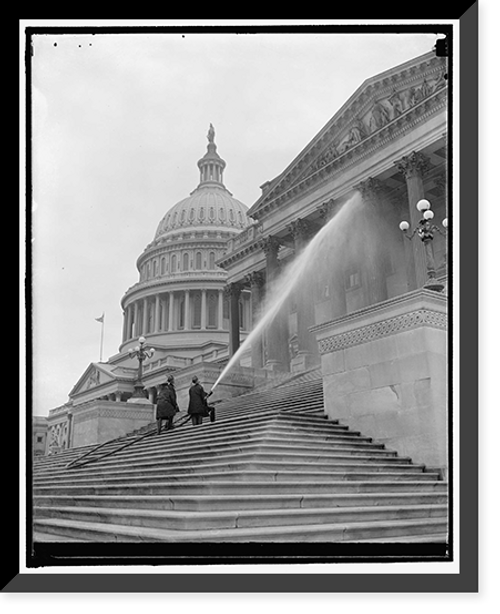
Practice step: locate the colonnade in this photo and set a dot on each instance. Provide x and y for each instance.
(188, 309)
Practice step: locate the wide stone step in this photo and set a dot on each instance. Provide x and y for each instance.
(236, 462)
(237, 487)
(243, 502)
(158, 450)
(338, 532)
(269, 446)
(231, 519)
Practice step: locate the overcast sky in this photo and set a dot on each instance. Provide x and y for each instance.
(119, 123)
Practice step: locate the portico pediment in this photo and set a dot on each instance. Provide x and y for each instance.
(95, 375)
(382, 107)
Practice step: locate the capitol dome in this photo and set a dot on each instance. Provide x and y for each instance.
(180, 304)
(211, 205)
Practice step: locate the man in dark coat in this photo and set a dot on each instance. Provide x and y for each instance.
(197, 407)
(166, 407)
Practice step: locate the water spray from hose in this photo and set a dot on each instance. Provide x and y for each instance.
(302, 267)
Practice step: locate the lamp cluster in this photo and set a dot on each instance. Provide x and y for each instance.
(141, 352)
(425, 231)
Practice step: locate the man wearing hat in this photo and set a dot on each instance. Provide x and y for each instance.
(166, 407)
(197, 407)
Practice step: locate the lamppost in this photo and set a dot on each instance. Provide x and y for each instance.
(425, 231)
(142, 352)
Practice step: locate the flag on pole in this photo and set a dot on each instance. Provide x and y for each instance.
(101, 320)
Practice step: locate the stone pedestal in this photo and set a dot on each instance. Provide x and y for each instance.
(385, 374)
(100, 421)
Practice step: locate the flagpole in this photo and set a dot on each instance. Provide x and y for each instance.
(101, 320)
(102, 340)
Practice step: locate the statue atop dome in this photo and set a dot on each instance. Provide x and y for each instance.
(211, 134)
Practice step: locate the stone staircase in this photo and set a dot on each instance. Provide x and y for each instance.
(272, 468)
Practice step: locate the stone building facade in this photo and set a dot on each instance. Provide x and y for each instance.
(371, 323)
(369, 320)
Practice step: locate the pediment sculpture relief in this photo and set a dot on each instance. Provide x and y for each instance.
(381, 113)
(94, 379)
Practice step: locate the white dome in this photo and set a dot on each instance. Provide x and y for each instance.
(209, 206)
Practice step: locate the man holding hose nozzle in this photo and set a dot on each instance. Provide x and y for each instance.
(198, 404)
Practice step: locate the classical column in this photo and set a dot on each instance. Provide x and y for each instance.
(375, 243)
(124, 327)
(307, 347)
(234, 292)
(278, 357)
(336, 282)
(221, 310)
(413, 168)
(256, 281)
(144, 316)
(186, 310)
(135, 331)
(157, 322)
(170, 311)
(203, 309)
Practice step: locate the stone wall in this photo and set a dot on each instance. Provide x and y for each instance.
(385, 373)
(100, 421)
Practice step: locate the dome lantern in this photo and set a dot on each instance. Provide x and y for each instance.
(211, 165)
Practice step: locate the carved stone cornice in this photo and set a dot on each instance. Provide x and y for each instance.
(414, 165)
(364, 334)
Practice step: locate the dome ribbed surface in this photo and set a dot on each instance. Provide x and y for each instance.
(208, 206)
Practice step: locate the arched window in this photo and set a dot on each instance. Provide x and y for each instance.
(155, 267)
(162, 266)
(211, 260)
(173, 263)
(198, 261)
(185, 262)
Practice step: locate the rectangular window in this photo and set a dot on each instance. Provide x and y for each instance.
(196, 310)
(213, 309)
(352, 279)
